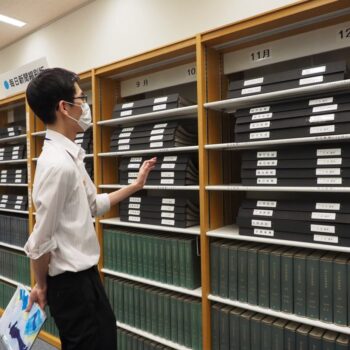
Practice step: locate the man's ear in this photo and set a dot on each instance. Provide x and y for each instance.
(62, 107)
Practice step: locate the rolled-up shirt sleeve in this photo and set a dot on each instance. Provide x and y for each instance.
(49, 195)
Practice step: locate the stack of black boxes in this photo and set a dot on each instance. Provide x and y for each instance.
(13, 176)
(11, 131)
(84, 139)
(13, 201)
(13, 152)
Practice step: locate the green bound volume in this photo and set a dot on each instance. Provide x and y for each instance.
(223, 279)
(253, 275)
(160, 314)
(225, 328)
(235, 316)
(169, 261)
(187, 323)
(277, 334)
(326, 287)
(180, 320)
(299, 283)
(302, 337)
(193, 264)
(290, 335)
(243, 272)
(315, 339)
(244, 330)
(167, 315)
(215, 326)
(215, 267)
(255, 331)
(156, 258)
(340, 284)
(266, 332)
(328, 340)
(264, 276)
(173, 318)
(233, 272)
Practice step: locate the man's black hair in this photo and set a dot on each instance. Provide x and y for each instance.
(46, 90)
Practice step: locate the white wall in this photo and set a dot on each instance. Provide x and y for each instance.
(107, 30)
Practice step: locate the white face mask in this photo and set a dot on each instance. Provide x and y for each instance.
(85, 119)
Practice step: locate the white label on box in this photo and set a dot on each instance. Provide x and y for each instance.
(11, 134)
(329, 161)
(262, 212)
(259, 110)
(167, 181)
(272, 162)
(16, 148)
(134, 218)
(268, 154)
(323, 216)
(125, 113)
(11, 129)
(127, 105)
(329, 152)
(260, 232)
(259, 125)
(321, 118)
(125, 134)
(135, 199)
(128, 129)
(170, 159)
(123, 147)
(160, 99)
(262, 116)
(267, 181)
(168, 222)
(157, 131)
(168, 200)
(167, 174)
(4, 171)
(328, 206)
(167, 208)
(333, 107)
(259, 135)
(130, 181)
(266, 172)
(329, 181)
(267, 204)
(322, 228)
(168, 215)
(14, 157)
(326, 239)
(156, 137)
(313, 80)
(322, 129)
(123, 141)
(328, 171)
(321, 101)
(261, 223)
(162, 125)
(159, 107)
(168, 166)
(314, 70)
(2, 205)
(136, 159)
(134, 212)
(134, 206)
(253, 81)
(17, 207)
(251, 90)
(133, 174)
(156, 144)
(134, 165)
(18, 180)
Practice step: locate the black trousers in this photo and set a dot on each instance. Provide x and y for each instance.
(83, 315)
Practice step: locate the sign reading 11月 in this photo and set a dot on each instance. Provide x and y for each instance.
(17, 80)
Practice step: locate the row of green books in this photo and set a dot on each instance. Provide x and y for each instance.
(311, 283)
(131, 341)
(166, 314)
(15, 266)
(6, 293)
(239, 329)
(50, 325)
(166, 258)
(13, 229)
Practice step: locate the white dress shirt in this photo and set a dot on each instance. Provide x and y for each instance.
(65, 199)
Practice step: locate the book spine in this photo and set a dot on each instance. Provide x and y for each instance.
(299, 286)
(223, 287)
(233, 273)
(326, 290)
(275, 282)
(340, 292)
(313, 288)
(252, 277)
(287, 283)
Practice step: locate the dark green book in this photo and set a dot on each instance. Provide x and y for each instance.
(243, 272)
(128, 253)
(169, 261)
(253, 274)
(167, 315)
(156, 253)
(187, 323)
(315, 339)
(290, 335)
(328, 340)
(137, 321)
(180, 320)
(255, 331)
(342, 342)
(233, 271)
(173, 318)
(275, 278)
(146, 270)
(196, 315)
(235, 316)
(123, 242)
(244, 330)
(154, 311)
(160, 314)
(287, 280)
(264, 276)
(215, 326)
(131, 305)
(299, 283)
(182, 262)
(148, 303)
(302, 337)
(150, 256)
(278, 334)
(266, 332)
(215, 267)
(313, 284)
(326, 287)
(175, 262)
(223, 279)
(133, 255)
(340, 289)
(192, 263)
(139, 250)
(142, 309)
(225, 328)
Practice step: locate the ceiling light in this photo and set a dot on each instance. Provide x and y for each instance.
(12, 21)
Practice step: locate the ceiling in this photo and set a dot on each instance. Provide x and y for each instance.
(36, 13)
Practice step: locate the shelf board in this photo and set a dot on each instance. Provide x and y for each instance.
(232, 232)
(15, 161)
(39, 133)
(193, 230)
(231, 105)
(280, 314)
(11, 246)
(89, 155)
(155, 187)
(150, 151)
(14, 211)
(151, 336)
(194, 292)
(13, 282)
(187, 112)
(235, 146)
(238, 187)
(12, 185)
(13, 138)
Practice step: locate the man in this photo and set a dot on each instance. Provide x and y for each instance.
(63, 246)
